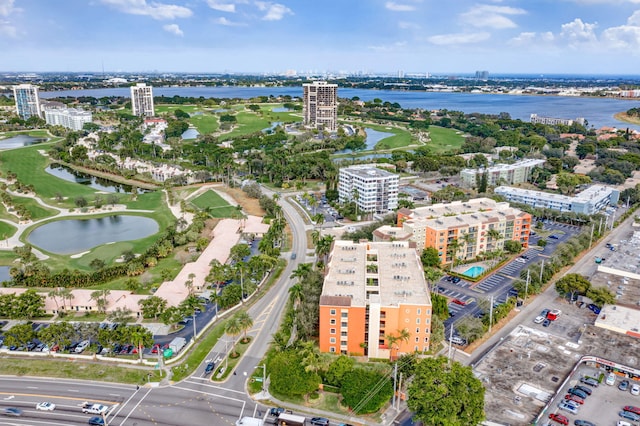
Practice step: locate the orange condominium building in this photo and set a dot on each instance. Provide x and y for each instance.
(469, 223)
(373, 291)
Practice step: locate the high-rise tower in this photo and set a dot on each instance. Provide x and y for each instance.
(320, 105)
(142, 100)
(27, 100)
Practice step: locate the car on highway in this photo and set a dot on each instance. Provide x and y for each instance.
(293, 256)
(629, 416)
(46, 406)
(12, 411)
(635, 389)
(209, 368)
(276, 411)
(624, 385)
(539, 319)
(320, 421)
(559, 418)
(96, 421)
(583, 423)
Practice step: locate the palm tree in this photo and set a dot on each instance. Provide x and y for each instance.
(66, 294)
(301, 272)
(318, 219)
(493, 235)
(189, 283)
(452, 250)
(233, 328)
(296, 294)
(245, 322)
(54, 293)
(402, 335)
(100, 297)
(432, 275)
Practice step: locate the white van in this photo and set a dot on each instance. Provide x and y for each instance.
(249, 421)
(95, 409)
(82, 346)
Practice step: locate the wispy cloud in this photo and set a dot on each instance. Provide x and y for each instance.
(488, 16)
(274, 11)
(222, 7)
(173, 29)
(458, 38)
(403, 25)
(227, 23)
(388, 47)
(154, 10)
(7, 29)
(7, 8)
(398, 7)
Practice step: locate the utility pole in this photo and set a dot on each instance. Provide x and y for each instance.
(593, 226)
(490, 315)
(395, 376)
(450, 347)
(526, 286)
(600, 227)
(541, 271)
(399, 392)
(194, 325)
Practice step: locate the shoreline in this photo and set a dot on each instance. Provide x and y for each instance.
(623, 117)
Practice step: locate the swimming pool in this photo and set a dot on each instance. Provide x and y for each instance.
(474, 271)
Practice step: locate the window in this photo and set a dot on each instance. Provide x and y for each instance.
(417, 340)
(343, 334)
(332, 340)
(419, 311)
(417, 320)
(332, 349)
(332, 331)
(343, 324)
(343, 343)
(426, 340)
(333, 312)
(345, 314)
(417, 329)
(333, 321)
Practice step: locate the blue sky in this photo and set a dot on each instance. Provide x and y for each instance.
(417, 36)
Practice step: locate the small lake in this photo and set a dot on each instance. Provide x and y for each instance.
(4, 273)
(20, 141)
(280, 109)
(190, 134)
(372, 139)
(71, 175)
(77, 235)
(272, 128)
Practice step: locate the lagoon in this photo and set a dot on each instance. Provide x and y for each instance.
(77, 235)
(19, 141)
(71, 175)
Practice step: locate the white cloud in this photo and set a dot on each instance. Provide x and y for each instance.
(6, 7)
(388, 47)
(408, 25)
(578, 32)
(491, 16)
(625, 36)
(155, 10)
(531, 38)
(7, 29)
(397, 7)
(227, 23)
(274, 11)
(459, 38)
(222, 7)
(173, 29)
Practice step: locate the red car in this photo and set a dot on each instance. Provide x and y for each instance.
(559, 418)
(459, 302)
(155, 348)
(574, 398)
(632, 409)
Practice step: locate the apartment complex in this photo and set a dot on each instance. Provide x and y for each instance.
(373, 190)
(320, 105)
(71, 118)
(374, 290)
(551, 121)
(499, 174)
(590, 201)
(142, 100)
(477, 226)
(27, 101)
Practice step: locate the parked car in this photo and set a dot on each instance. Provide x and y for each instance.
(320, 421)
(629, 416)
(459, 302)
(46, 406)
(559, 418)
(623, 423)
(589, 381)
(624, 385)
(554, 237)
(635, 389)
(546, 322)
(525, 257)
(577, 392)
(96, 421)
(457, 340)
(455, 280)
(584, 389)
(574, 398)
(539, 319)
(518, 259)
(583, 423)
(611, 379)
(568, 408)
(276, 411)
(632, 409)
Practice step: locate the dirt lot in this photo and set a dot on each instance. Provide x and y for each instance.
(525, 371)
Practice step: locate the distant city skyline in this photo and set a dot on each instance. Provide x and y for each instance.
(311, 37)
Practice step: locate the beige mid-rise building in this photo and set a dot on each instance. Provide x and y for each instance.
(320, 105)
(142, 100)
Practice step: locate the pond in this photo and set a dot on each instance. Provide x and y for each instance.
(272, 128)
(20, 141)
(190, 133)
(77, 235)
(71, 175)
(280, 109)
(4, 273)
(372, 139)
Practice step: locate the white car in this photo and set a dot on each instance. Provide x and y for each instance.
(635, 389)
(517, 259)
(611, 379)
(623, 423)
(539, 319)
(46, 406)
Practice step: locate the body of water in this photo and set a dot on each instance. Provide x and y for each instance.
(272, 127)
(190, 133)
(373, 137)
(474, 271)
(598, 111)
(4, 273)
(20, 141)
(71, 175)
(280, 109)
(77, 235)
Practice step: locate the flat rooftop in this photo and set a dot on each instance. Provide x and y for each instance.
(619, 319)
(399, 273)
(457, 208)
(368, 171)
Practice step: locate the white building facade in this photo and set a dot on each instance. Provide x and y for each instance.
(27, 101)
(508, 174)
(142, 100)
(589, 201)
(71, 118)
(320, 105)
(373, 190)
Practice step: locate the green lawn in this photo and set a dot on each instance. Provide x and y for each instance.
(444, 140)
(205, 123)
(399, 139)
(215, 204)
(189, 109)
(248, 122)
(37, 210)
(6, 230)
(285, 116)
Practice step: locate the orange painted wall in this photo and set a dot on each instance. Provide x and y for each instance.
(355, 328)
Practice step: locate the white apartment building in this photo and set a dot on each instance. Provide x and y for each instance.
(142, 100)
(27, 101)
(551, 121)
(589, 201)
(498, 174)
(373, 190)
(320, 105)
(71, 118)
